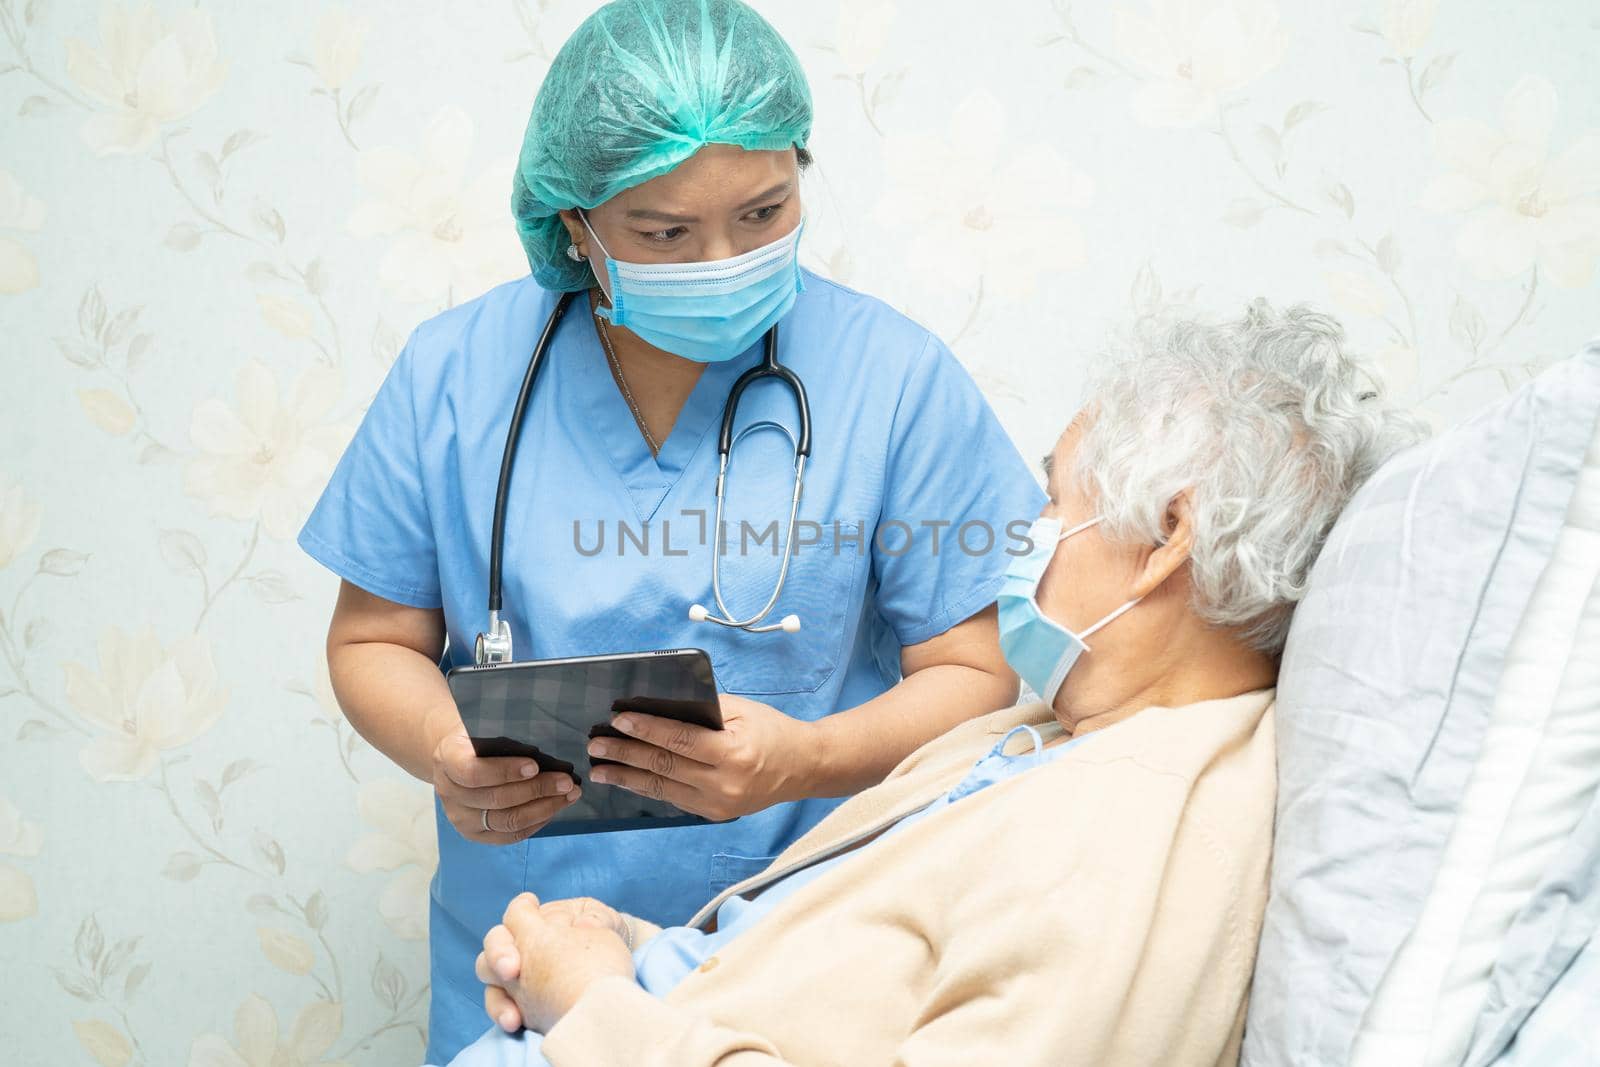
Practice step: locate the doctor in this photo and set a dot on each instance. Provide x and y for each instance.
(659, 182)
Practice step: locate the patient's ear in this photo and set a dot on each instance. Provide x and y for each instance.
(1173, 552)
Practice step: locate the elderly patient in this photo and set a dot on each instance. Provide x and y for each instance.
(1074, 881)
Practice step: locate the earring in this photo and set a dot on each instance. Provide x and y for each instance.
(573, 253)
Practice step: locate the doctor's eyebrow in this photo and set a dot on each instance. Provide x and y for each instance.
(772, 193)
(781, 189)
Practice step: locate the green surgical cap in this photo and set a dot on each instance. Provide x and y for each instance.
(641, 86)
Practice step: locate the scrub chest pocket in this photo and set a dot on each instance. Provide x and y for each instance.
(731, 868)
(823, 588)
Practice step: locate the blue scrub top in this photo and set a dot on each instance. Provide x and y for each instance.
(913, 496)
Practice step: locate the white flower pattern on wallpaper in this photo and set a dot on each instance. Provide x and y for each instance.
(1525, 204)
(147, 699)
(403, 816)
(336, 50)
(983, 212)
(450, 239)
(18, 897)
(18, 837)
(862, 30)
(258, 1042)
(147, 74)
(1192, 52)
(19, 211)
(1405, 24)
(268, 457)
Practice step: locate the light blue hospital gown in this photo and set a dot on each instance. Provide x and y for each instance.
(664, 960)
(905, 453)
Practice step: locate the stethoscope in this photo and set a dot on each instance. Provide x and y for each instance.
(495, 645)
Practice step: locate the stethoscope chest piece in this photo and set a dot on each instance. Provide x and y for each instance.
(494, 646)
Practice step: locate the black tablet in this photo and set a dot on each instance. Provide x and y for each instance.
(548, 710)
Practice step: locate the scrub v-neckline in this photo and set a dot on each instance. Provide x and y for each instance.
(648, 478)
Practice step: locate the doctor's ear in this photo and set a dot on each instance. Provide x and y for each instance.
(574, 225)
(1173, 551)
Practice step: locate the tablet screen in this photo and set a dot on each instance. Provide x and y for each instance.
(550, 709)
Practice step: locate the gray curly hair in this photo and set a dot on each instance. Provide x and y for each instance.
(1268, 423)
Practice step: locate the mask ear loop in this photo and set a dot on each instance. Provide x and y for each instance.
(604, 251)
(1090, 632)
(1084, 637)
(1079, 528)
(584, 216)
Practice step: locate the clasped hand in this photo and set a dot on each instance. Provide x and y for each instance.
(540, 959)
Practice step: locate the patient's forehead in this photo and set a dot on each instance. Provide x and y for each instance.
(1056, 461)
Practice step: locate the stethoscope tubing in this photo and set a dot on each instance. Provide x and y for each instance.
(495, 646)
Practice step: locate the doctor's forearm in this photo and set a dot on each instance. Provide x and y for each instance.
(396, 698)
(859, 747)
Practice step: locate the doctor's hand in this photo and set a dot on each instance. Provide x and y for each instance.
(759, 758)
(538, 962)
(518, 798)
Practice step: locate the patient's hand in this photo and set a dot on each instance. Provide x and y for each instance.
(585, 911)
(538, 962)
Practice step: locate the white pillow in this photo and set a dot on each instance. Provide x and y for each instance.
(1562, 1028)
(1389, 693)
(1535, 778)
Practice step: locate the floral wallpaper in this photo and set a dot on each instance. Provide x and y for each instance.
(218, 222)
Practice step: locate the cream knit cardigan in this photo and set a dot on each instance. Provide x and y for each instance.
(1102, 909)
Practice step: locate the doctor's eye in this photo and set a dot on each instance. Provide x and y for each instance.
(764, 214)
(663, 236)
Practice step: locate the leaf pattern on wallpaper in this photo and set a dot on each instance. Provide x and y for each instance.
(1527, 206)
(224, 227)
(859, 34)
(1405, 26)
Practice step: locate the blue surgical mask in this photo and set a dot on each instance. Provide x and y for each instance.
(708, 311)
(1037, 647)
